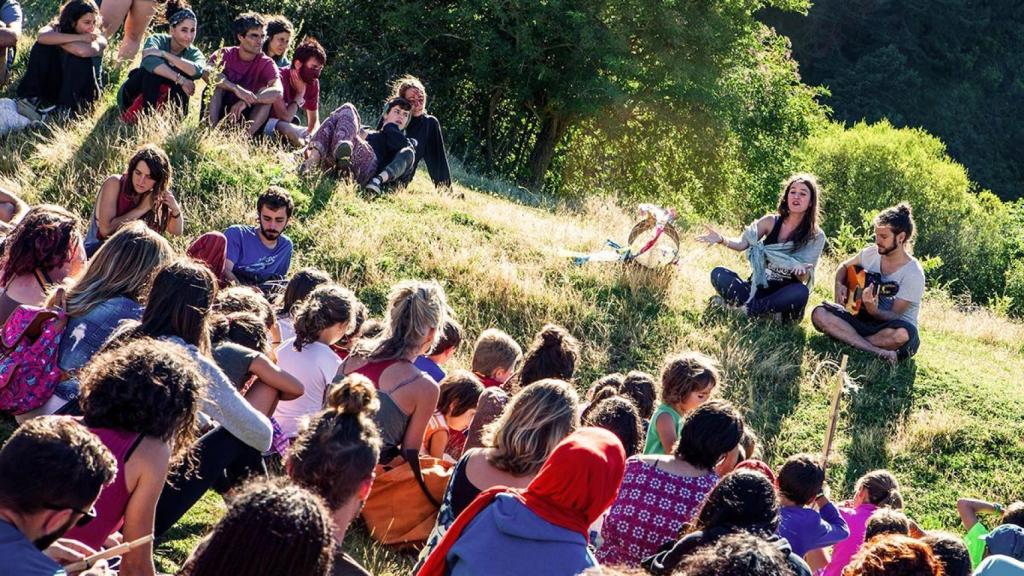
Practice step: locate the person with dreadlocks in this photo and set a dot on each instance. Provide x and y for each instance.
(143, 192)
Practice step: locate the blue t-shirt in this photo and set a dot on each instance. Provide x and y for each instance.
(21, 557)
(251, 256)
(430, 367)
(808, 529)
(10, 12)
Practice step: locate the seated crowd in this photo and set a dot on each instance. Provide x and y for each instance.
(157, 376)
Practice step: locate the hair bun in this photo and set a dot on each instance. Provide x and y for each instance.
(903, 208)
(552, 335)
(354, 395)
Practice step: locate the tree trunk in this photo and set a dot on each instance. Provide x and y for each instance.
(551, 132)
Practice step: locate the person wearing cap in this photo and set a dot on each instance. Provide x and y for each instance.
(1004, 551)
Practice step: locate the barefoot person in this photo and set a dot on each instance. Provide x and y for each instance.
(783, 250)
(886, 324)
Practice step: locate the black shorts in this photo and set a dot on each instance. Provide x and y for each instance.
(866, 326)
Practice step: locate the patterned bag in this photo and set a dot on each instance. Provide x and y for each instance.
(29, 349)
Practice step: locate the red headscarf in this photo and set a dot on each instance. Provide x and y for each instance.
(211, 249)
(579, 481)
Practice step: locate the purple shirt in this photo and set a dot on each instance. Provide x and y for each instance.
(250, 255)
(430, 367)
(254, 75)
(857, 520)
(808, 529)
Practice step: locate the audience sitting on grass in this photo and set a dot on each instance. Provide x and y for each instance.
(52, 471)
(801, 483)
(258, 255)
(43, 250)
(872, 491)
(687, 381)
(373, 158)
(298, 288)
(143, 193)
(554, 353)
(544, 528)
(171, 65)
(445, 437)
(495, 357)
(894, 555)
(63, 68)
(279, 39)
(447, 345)
(640, 388)
(620, 417)
(335, 456)
(286, 529)
(301, 85)
(141, 399)
(425, 130)
(248, 82)
(11, 21)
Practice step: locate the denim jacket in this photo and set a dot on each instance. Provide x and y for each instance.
(85, 335)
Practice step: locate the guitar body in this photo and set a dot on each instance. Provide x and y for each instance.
(857, 280)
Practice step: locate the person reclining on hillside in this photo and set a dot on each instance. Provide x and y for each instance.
(248, 82)
(426, 130)
(301, 84)
(373, 158)
(886, 324)
(260, 254)
(64, 64)
(783, 249)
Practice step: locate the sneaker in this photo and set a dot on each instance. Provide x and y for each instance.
(343, 155)
(374, 185)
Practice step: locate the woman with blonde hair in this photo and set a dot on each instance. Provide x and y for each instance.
(111, 290)
(515, 448)
(425, 130)
(415, 318)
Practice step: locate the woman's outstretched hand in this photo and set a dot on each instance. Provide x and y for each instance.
(711, 236)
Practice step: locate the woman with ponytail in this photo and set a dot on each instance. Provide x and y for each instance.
(334, 456)
(171, 64)
(143, 192)
(320, 320)
(874, 490)
(543, 529)
(554, 353)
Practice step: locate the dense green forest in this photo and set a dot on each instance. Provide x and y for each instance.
(952, 67)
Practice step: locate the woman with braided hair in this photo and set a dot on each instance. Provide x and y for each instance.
(43, 249)
(143, 192)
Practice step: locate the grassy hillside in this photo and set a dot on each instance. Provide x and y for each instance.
(950, 422)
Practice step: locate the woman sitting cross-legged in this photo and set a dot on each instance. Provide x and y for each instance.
(783, 250)
(373, 158)
(661, 493)
(64, 64)
(143, 192)
(543, 529)
(171, 63)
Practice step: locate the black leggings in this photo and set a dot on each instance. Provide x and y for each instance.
(144, 82)
(222, 461)
(787, 298)
(401, 167)
(55, 76)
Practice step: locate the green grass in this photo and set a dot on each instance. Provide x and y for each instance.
(948, 423)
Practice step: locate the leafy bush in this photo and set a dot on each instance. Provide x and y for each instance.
(865, 168)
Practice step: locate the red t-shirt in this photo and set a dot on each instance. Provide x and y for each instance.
(254, 75)
(312, 95)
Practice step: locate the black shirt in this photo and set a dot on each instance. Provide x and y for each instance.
(386, 144)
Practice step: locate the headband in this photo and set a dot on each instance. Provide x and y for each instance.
(180, 16)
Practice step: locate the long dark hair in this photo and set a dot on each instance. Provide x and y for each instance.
(160, 170)
(44, 239)
(72, 11)
(179, 303)
(743, 499)
(809, 223)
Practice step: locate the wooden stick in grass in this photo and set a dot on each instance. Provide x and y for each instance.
(118, 550)
(837, 396)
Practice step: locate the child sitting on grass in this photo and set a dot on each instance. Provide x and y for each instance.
(495, 357)
(642, 391)
(442, 351)
(874, 490)
(456, 405)
(687, 381)
(969, 510)
(801, 481)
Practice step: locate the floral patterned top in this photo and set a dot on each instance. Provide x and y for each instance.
(652, 508)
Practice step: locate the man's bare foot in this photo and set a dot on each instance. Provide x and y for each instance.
(889, 356)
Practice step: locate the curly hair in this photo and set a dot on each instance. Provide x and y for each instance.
(246, 21)
(240, 298)
(286, 528)
(554, 353)
(299, 286)
(739, 553)
(275, 24)
(240, 328)
(534, 422)
(708, 433)
(323, 308)
(53, 462)
(620, 417)
(685, 373)
(309, 48)
(894, 555)
(641, 389)
(340, 447)
(742, 499)
(147, 386)
(275, 198)
(45, 239)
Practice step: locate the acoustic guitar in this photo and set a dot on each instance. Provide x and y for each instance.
(857, 280)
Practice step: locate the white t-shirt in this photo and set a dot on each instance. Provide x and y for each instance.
(909, 280)
(286, 326)
(315, 367)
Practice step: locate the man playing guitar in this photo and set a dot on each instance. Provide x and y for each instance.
(886, 324)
